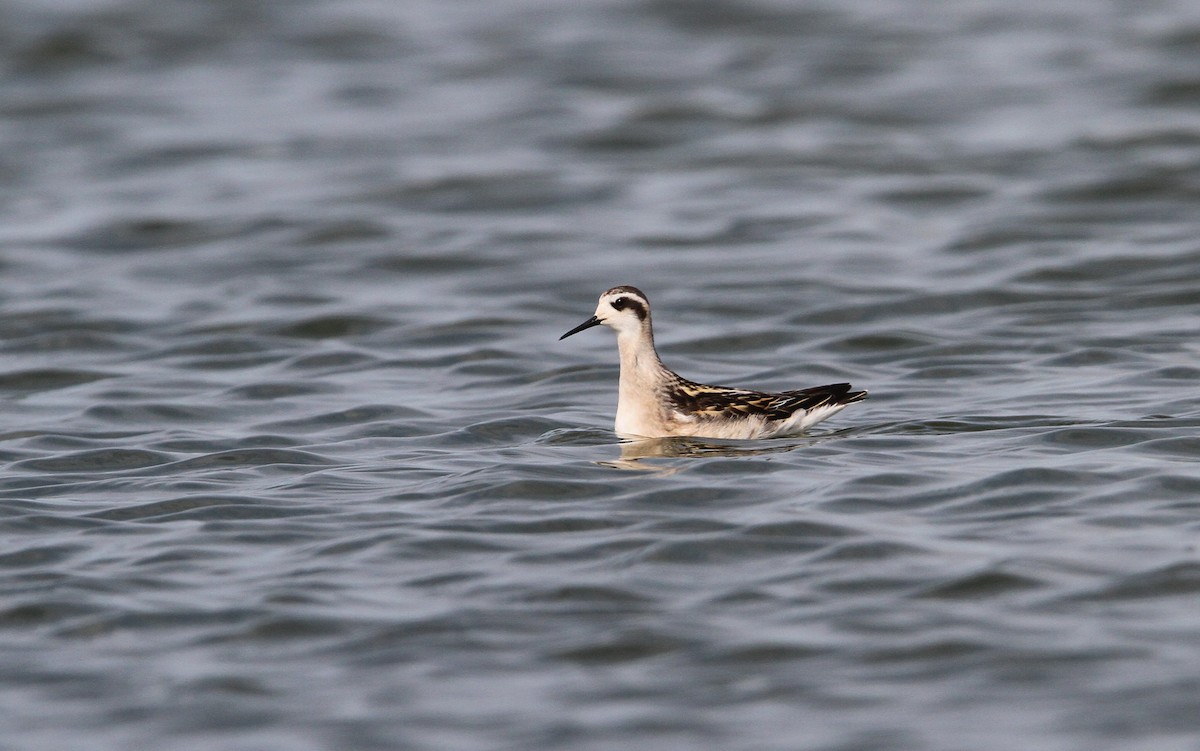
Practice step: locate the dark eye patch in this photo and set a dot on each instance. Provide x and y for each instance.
(621, 303)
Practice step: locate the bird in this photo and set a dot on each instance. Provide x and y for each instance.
(655, 402)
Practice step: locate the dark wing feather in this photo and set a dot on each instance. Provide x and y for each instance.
(821, 396)
(719, 401)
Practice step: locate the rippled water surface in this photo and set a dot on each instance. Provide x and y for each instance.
(294, 459)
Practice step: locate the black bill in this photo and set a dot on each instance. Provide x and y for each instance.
(593, 321)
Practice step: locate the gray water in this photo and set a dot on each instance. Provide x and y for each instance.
(294, 460)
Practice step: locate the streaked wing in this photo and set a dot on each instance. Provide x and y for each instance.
(718, 401)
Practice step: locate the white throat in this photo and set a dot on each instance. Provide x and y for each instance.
(642, 374)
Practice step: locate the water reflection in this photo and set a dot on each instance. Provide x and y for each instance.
(634, 454)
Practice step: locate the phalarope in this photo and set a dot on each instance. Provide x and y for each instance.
(653, 401)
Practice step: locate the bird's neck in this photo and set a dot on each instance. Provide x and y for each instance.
(642, 378)
(639, 360)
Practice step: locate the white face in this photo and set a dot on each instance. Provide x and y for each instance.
(622, 311)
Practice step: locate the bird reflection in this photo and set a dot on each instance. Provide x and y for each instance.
(635, 453)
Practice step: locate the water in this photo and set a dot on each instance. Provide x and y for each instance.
(294, 459)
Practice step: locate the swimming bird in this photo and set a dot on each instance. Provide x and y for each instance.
(653, 401)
